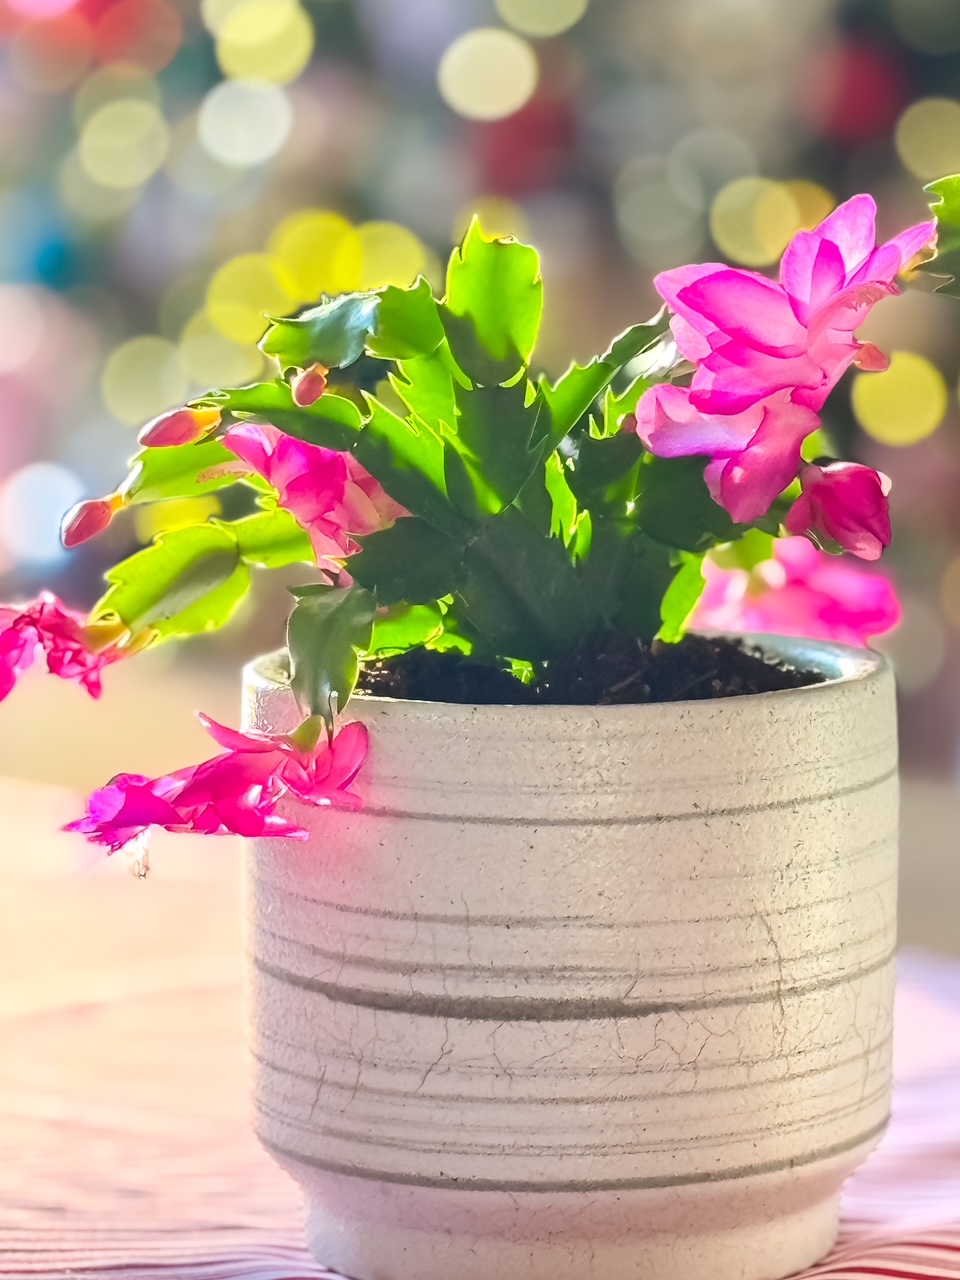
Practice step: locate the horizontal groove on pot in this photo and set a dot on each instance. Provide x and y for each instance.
(582, 950)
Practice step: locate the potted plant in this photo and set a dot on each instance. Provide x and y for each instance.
(596, 980)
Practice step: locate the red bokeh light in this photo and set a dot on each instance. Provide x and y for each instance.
(147, 33)
(854, 92)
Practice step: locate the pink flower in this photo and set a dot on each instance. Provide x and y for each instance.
(235, 793)
(47, 626)
(800, 592)
(327, 492)
(179, 426)
(844, 503)
(754, 454)
(765, 351)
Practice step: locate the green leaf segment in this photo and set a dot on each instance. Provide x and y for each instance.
(945, 203)
(536, 517)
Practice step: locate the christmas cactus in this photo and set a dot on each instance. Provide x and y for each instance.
(452, 499)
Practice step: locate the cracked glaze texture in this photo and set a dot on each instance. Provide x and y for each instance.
(591, 991)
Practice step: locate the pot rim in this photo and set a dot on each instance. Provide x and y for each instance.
(841, 663)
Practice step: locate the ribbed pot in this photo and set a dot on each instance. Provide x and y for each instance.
(592, 992)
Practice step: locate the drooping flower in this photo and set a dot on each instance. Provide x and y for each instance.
(328, 493)
(47, 626)
(763, 351)
(800, 592)
(179, 426)
(234, 793)
(309, 385)
(88, 519)
(845, 503)
(754, 454)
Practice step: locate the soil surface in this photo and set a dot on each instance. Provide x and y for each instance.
(609, 669)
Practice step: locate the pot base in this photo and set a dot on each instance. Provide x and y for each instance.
(609, 1236)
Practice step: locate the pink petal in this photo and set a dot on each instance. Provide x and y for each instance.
(746, 484)
(811, 269)
(233, 739)
(909, 243)
(748, 308)
(852, 227)
(870, 358)
(671, 427)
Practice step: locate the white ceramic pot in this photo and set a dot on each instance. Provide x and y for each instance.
(592, 992)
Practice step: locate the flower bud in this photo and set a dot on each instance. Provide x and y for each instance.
(309, 385)
(85, 520)
(179, 426)
(845, 503)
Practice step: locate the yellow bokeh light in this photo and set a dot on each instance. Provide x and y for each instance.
(214, 13)
(487, 74)
(752, 219)
(812, 201)
(498, 217)
(307, 243)
(904, 404)
(164, 517)
(88, 201)
(124, 143)
(378, 254)
(265, 40)
(928, 137)
(950, 592)
(541, 17)
(246, 289)
(118, 80)
(212, 360)
(142, 378)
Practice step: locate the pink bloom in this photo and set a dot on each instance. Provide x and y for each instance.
(755, 453)
(767, 354)
(179, 426)
(844, 503)
(47, 626)
(327, 492)
(235, 793)
(309, 385)
(87, 519)
(800, 592)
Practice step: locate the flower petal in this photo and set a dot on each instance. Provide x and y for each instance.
(748, 308)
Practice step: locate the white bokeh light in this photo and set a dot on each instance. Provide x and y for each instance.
(244, 122)
(32, 503)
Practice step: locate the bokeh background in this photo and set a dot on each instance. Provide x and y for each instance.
(172, 169)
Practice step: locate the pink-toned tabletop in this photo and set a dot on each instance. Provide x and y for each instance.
(125, 1145)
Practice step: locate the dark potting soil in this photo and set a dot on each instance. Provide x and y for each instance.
(608, 669)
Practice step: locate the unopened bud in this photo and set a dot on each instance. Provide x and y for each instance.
(87, 519)
(179, 426)
(309, 385)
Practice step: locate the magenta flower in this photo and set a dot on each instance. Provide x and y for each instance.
(754, 454)
(328, 493)
(844, 503)
(47, 626)
(800, 592)
(767, 354)
(235, 793)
